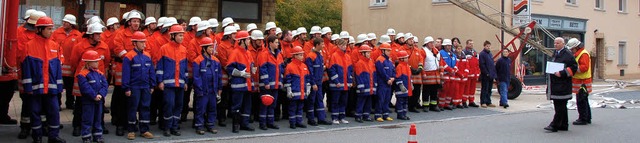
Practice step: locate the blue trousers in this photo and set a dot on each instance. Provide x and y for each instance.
(267, 112)
(363, 106)
(315, 105)
(139, 102)
(503, 90)
(91, 119)
(485, 92)
(172, 108)
(47, 103)
(401, 106)
(205, 104)
(241, 104)
(295, 111)
(384, 99)
(339, 104)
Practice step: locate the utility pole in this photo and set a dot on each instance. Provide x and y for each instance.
(502, 20)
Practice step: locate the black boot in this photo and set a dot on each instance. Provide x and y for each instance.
(37, 140)
(473, 104)
(25, 131)
(56, 140)
(434, 108)
(222, 123)
(76, 131)
(119, 131)
(464, 104)
(247, 128)
(236, 122)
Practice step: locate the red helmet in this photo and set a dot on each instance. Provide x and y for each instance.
(44, 21)
(176, 29)
(267, 99)
(91, 56)
(364, 48)
(385, 46)
(206, 41)
(297, 50)
(138, 36)
(403, 54)
(242, 35)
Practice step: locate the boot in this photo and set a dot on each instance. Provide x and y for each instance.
(76, 131)
(25, 131)
(236, 123)
(434, 108)
(448, 107)
(56, 140)
(473, 104)
(119, 131)
(37, 140)
(222, 123)
(464, 104)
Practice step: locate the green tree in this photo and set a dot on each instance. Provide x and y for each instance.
(291, 14)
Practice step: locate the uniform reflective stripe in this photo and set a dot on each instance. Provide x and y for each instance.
(28, 80)
(169, 81)
(118, 80)
(66, 72)
(92, 81)
(336, 85)
(360, 86)
(400, 92)
(245, 115)
(317, 66)
(386, 68)
(334, 77)
(399, 82)
(159, 72)
(297, 93)
(66, 67)
(203, 70)
(180, 81)
(118, 73)
(53, 86)
(136, 65)
(266, 76)
(186, 74)
(122, 53)
(144, 121)
(60, 81)
(244, 85)
(37, 86)
(287, 85)
(560, 96)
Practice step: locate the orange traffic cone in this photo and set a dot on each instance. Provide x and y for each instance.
(412, 134)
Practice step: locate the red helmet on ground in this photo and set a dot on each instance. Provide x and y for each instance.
(385, 46)
(91, 56)
(403, 54)
(206, 41)
(297, 50)
(364, 48)
(242, 35)
(44, 21)
(176, 29)
(267, 99)
(138, 36)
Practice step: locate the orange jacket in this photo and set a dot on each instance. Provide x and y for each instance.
(354, 53)
(240, 60)
(172, 66)
(416, 59)
(286, 48)
(24, 36)
(365, 76)
(155, 44)
(76, 64)
(308, 46)
(254, 56)
(107, 38)
(41, 67)
(584, 64)
(402, 79)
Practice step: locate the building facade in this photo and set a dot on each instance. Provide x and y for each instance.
(242, 11)
(604, 26)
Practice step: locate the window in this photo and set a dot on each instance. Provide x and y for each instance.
(245, 11)
(378, 3)
(439, 1)
(622, 47)
(573, 2)
(600, 4)
(622, 6)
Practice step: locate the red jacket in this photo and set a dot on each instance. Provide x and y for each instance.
(240, 60)
(172, 66)
(297, 79)
(365, 76)
(403, 73)
(416, 58)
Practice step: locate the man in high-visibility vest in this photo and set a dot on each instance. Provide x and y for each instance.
(581, 81)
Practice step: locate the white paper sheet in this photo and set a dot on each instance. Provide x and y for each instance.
(553, 67)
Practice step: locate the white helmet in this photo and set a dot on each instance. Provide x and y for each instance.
(294, 33)
(257, 35)
(95, 19)
(28, 13)
(407, 36)
(351, 40)
(335, 37)
(270, 25)
(385, 39)
(344, 34)
(125, 15)
(229, 30)
(362, 38)
(325, 30)
(302, 30)
(446, 42)
(278, 31)
(34, 16)
(237, 26)
(227, 21)
(572, 43)
(213, 22)
(391, 32)
(150, 20)
(203, 25)
(170, 22)
(428, 39)
(415, 39)
(372, 36)
(70, 18)
(252, 26)
(400, 35)
(194, 20)
(315, 29)
(111, 21)
(134, 14)
(94, 28)
(161, 21)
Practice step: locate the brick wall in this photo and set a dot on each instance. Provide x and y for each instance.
(206, 9)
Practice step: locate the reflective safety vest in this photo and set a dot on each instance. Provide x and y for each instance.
(431, 71)
(583, 75)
